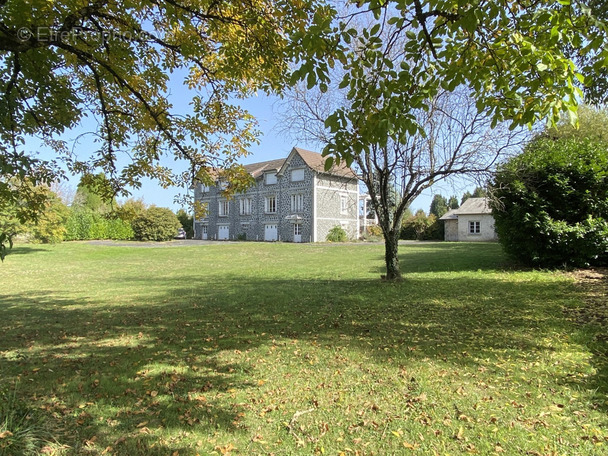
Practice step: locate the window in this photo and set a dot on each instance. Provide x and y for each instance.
(297, 229)
(297, 203)
(271, 204)
(297, 175)
(245, 206)
(343, 204)
(204, 188)
(271, 178)
(224, 208)
(223, 185)
(474, 227)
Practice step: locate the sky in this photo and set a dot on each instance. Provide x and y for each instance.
(273, 144)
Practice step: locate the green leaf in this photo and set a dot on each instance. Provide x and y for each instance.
(311, 80)
(329, 162)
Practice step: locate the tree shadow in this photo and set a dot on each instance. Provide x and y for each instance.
(450, 257)
(152, 364)
(24, 250)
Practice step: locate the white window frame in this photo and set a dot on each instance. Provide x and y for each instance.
(270, 178)
(343, 204)
(270, 204)
(297, 229)
(224, 208)
(297, 202)
(474, 227)
(204, 188)
(245, 206)
(297, 175)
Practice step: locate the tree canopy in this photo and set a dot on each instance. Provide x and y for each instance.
(439, 205)
(512, 59)
(112, 61)
(108, 65)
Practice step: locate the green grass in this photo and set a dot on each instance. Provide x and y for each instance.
(298, 349)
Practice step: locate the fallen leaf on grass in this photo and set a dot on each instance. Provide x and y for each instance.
(226, 449)
(460, 434)
(5, 434)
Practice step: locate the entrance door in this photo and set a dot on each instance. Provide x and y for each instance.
(270, 232)
(297, 232)
(223, 232)
(205, 228)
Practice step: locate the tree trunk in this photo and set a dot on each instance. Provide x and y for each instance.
(391, 246)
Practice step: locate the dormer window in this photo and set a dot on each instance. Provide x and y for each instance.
(297, 175)
(271, 178)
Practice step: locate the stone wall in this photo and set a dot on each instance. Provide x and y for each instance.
(327, 208)
(486, 224)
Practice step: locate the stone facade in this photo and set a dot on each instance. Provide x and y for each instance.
(471, 222)
(450, 229)
(470, 233)
(293, 200)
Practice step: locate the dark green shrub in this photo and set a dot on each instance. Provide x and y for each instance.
(156, 224)
(551, 203)
(421, 227)
(336, 234)
(187, 223)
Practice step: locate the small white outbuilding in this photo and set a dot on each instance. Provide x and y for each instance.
(472, 221)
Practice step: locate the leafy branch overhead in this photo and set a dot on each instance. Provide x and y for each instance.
(515, 57)
(63, 62)
(422, 90)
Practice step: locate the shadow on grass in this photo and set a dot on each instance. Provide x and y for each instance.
(24, 250)
(449, 257)
(154, 364)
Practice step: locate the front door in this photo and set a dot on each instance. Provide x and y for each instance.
(270, 232)
(297, 232)
(204, 229)
(223, 232)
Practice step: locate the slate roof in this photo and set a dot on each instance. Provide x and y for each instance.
(470, 206)
(257, 169)
(314, 160)
(450, 215)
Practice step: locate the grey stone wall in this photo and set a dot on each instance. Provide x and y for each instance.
(450, 230)
(486, 224)
(330, 191)
(253, 226)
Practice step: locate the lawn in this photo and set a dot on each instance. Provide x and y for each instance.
(295, 349)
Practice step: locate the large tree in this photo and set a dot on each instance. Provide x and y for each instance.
(400, 66)
(439, 206)
(112, 61)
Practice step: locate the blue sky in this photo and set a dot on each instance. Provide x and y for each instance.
(273, 144)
